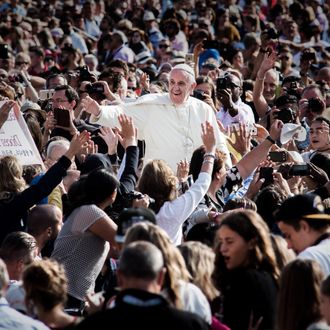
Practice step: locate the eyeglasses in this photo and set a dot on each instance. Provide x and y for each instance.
(284, 57)
(21, 63)
(60, 100)
(163, 46)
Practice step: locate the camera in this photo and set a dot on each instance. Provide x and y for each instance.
(84, 74)
(198, 94)
(286, 115)
(308, 56)
(17, 77)
(95, 88)
(272, 33)
(223, 83)
(315, 105)
(136, 195)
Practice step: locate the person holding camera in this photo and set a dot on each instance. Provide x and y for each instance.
(205, 91)
(233, 110)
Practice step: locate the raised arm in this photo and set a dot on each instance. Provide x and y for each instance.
(252, 159)
(259, 100)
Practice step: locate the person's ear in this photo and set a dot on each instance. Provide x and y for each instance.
(304, 225)
(161, 277)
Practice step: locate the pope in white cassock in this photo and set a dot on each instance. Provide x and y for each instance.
(169, 123)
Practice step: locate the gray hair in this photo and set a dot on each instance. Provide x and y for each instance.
(141, 260)
(53, 145)
(4, 278)
(92, 57)
(188, 70)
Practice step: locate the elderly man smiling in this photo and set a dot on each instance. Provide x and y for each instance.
(169, 123)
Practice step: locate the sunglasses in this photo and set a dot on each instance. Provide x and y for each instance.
(284, 57)
(163, 46)
(21, 63)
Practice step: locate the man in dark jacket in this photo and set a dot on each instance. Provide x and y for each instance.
(139, 305)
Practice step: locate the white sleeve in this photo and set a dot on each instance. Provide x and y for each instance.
(172, 214)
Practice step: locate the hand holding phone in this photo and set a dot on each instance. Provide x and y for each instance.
(62, 117)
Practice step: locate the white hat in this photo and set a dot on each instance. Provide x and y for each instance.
(292, 131)
(143, 57)
(149, 16)
(185, 67)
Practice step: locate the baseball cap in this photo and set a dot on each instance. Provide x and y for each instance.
(131, 216)
(304, 206)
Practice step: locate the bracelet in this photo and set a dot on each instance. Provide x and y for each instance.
(269, 138)
(208, 161)
(209, 154)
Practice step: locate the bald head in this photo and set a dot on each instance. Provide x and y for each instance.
(324, 74)
(43, 217)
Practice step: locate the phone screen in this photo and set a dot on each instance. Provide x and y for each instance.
(62, 117)
(267, 174)
(299, 170)
(277, 156)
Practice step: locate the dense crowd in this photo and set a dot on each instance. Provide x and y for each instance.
(181, 163)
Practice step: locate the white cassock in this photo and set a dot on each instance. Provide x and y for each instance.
(171, 132)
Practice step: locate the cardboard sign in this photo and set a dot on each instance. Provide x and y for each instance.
(16, 139)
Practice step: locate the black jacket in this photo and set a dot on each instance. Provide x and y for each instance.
(14, 206)
(137, 309)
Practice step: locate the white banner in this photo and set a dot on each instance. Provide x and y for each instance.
(16, 139)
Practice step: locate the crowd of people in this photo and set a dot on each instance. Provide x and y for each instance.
(184, 151)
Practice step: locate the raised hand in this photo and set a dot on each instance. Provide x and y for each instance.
(242, 138)
(128, 133)
(182, 170)
(208, 136)
(90, 106)
(110, 138)
(4, 111)
(267, 63)
(78, 142)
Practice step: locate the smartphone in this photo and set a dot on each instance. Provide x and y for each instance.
(299, 170)
(62, 117)
(4, 53)
(267, 174)
(189, 58)
(46, 94)
(278, 156)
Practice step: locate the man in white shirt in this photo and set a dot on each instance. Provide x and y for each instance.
(233, 110)
(169, 123)
(305, 227)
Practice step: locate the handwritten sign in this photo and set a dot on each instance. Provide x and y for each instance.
(16, 139)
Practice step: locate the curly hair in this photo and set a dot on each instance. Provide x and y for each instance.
(159, 182)
(173, 261)
(45, 283)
